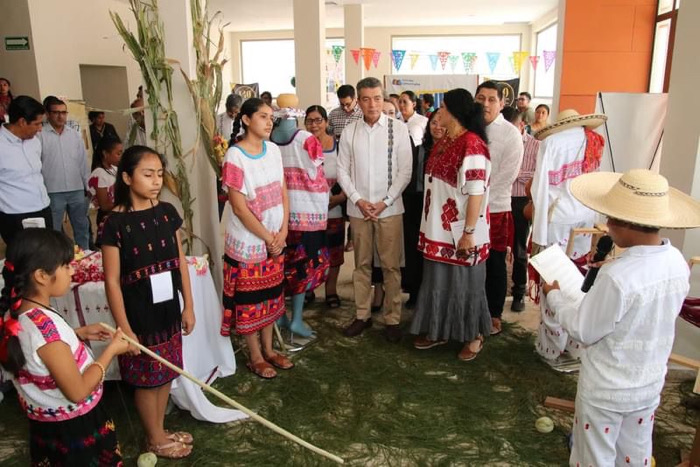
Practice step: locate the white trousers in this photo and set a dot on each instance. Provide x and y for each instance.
(605, 438)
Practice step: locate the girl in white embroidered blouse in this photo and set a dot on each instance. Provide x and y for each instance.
(59, 384)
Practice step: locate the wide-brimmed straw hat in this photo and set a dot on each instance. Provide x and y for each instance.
(569, 118)
(640, 197)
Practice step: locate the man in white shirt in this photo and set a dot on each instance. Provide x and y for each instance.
(224, 121)
(22, 192)
(374, 167)
(65, 169)
(506, 148)
(627, 319)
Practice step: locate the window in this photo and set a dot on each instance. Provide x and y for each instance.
(456, 45)
(544, 79)
(662, 53)
(271, 64)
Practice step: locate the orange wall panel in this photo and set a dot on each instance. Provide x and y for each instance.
(607, 47)
(582, 104)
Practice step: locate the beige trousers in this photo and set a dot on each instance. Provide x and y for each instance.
(387, 234)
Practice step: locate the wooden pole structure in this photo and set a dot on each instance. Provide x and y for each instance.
(228, 400)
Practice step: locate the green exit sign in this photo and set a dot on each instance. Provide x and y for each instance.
(17, 43)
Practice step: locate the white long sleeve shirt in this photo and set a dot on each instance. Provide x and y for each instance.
(365, 170)
(22, 187)
(627, 321)
(506, 148)
(63, 160)
(559, 161)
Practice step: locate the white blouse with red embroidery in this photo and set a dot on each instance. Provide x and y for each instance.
(259, 178)
(38, 392)
(455, 170)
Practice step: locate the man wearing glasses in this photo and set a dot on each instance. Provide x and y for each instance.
(348, 111)
(523, 105)
(65, 170)
(375, 161)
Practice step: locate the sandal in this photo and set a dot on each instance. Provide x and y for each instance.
(333, 301)
(423, 343)
(262, 369)
(280, 361)
(180, 437)
(171, 450)
(467, 354)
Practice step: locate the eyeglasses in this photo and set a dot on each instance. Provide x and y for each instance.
(314, 121)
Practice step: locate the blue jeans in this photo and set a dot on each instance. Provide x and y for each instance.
(76, 203)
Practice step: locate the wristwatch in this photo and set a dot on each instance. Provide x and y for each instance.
(469, 230)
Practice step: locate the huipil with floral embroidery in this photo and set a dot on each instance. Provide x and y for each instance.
(260, 179)
(456, 169)
(307, 189)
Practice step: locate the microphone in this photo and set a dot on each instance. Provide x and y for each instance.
(602, 249)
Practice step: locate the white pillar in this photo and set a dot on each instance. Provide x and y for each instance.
(310, 51)
(176, 17)
(681, 149)
(354, 28)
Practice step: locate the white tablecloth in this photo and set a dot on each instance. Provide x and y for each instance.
(206, 353)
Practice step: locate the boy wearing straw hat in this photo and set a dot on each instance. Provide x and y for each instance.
(627, 319)
(569, 148)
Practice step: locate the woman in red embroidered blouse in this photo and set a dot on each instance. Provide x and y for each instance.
(452, 299)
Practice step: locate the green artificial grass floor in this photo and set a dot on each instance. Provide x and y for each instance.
(377, 404)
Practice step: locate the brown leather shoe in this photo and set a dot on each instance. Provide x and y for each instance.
(357, 326)
(393, 333)
(423, 343)
(467, 354)
(496, 327)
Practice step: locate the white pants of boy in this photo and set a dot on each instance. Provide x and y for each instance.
(604, 438)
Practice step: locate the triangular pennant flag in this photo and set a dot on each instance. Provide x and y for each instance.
(337, 52)
(414, 59)
(493, 59)
(433, 61)
(367, 55)
(534, 60)
(355, 55)
(518, 60)
(453, 62)
(375, 58)
(549, 56)
(468, 58)
(397, 57)
(443, 58)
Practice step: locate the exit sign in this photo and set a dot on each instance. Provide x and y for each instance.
(17, 43)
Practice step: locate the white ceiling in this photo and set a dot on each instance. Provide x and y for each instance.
(269, 15)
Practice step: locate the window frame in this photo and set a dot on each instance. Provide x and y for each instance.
(553, 24)
(673, 16)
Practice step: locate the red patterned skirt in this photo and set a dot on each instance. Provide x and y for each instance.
(306, 261)
(335, 239)
(143, 371)
(253, 295)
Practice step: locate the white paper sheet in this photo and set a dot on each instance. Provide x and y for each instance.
(553, 265)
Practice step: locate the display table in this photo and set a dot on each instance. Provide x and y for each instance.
(206, 353)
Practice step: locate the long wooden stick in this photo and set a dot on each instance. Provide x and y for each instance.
(228, 400)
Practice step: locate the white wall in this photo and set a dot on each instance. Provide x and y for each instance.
(380, 39)
(18, 66)
(68, 33)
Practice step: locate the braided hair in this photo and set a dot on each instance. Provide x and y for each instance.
(35, 249)
(248, 108)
